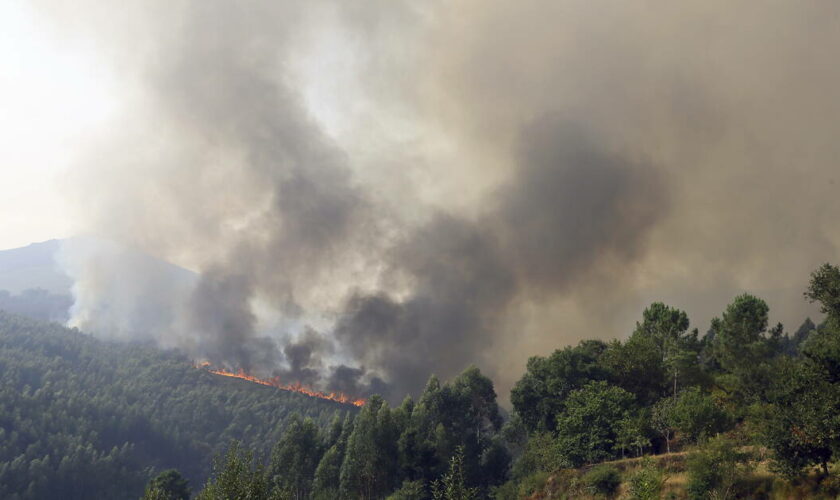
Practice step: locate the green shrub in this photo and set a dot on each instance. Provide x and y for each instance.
(541, 454)
(602, 480)
(697, 417)
(506, 491)
(532, 483)
(714, 470)
(410, 490)
(646, 483)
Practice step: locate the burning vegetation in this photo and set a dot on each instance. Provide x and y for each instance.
(294, 387)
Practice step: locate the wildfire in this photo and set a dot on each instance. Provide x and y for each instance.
(296, 387)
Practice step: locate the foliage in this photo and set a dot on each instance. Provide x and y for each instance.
(294, 459)
(532, 483)
(538, 396)
(743, 348)
(602, 480)
(799, 423)
(646, 482)
(37, 303)
(637, 367)
(824, 287)
(697, 416)
(542, 453)
(236, 475)
(410, 490)
(168, 485)
(714, 470)
(370, 469)
(453, 484)
(662, 419)
(83, 418)
(588, 429)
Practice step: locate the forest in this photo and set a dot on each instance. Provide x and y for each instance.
(84, 418)
(744, 410)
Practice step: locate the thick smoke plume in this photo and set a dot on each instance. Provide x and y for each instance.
(371, 192)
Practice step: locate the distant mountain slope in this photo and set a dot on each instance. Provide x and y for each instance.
(35, 281)
(33, 266)
(83, 418)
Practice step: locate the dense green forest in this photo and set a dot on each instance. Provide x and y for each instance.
(745, 410)
(37, 303)
(743, 396)
(83, 418)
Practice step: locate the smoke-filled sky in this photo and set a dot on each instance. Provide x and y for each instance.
(373, 191)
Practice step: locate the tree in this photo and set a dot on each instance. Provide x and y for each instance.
(824, 287)
(800, 336)
(540, 394)
(662, 419)
(168, 485)
(588, 429)
(634, 432)
(461, 413)
(714, 470)
(801, 420)
(743, 349)
(294, 459)
(696, 415)
(453, 485)
(660, 354)
(637, 367)
(236, 475)
(370, 464)
(738, 336)
(328, 473)
(664, 325)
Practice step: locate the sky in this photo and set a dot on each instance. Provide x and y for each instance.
(374, 191)
(53, 96)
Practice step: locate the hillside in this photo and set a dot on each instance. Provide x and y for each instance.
(33, 266)
(36, 281)
(83, 418)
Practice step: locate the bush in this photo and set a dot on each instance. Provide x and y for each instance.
(697, 416)
(603, 480)
(410, 490)
(533, 483)
(714, 470)
(506, 491)
(541, 454)
(647, 482)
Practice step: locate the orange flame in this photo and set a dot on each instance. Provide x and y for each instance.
(295, 387)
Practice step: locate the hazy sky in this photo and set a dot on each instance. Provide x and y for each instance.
(53, 96)
(409, 187)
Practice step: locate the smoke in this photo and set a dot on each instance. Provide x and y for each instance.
(376, 191)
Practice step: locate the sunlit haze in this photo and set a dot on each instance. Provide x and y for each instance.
(53, 96)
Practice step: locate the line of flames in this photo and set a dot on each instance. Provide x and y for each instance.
(296, 387)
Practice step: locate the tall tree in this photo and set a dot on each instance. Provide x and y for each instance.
(743, 348)
(236, 475)
(328, 473)
(824, 287)
(539, 395)
(453, 486)
(294, 459)
(370, 464)
(168, 485)
(666, 327)
(589, 427)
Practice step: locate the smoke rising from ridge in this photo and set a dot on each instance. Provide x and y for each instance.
(372, 192)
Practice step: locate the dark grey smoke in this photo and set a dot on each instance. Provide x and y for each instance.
(452, 182)
(572, 203)
(282, 206)
(569, 205)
